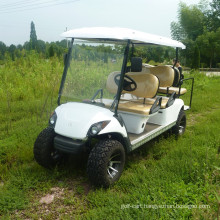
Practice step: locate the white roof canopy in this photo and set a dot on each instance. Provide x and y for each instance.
(122, 34)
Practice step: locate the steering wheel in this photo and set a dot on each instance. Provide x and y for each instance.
(129, 83)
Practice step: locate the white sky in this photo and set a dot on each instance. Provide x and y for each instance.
(152, 16)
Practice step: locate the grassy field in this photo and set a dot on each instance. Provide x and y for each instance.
(165, 179)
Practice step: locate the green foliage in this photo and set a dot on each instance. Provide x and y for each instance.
(209, 44)
(45, 50)
(197, 24)
(214, 15)
(188, 53)
(190, 22)
(33, 37)
(154, 53)
(3, 49)
(196, 58)
(51, 51)
(177, 31)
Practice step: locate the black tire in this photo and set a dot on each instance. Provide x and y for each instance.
(44, 152)
(180, 126)
(106, 162)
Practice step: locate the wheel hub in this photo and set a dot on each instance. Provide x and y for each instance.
(113, 165)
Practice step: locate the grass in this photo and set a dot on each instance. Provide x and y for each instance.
(179, 179)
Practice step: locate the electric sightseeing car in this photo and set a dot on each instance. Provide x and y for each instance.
(110, 102)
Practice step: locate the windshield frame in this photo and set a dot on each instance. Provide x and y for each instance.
(66, 66)
(121, 80)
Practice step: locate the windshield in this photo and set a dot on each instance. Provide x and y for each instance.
(90, 65)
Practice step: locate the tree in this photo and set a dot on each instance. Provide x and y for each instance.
(19, 47)
(196, 58)
(190, 22)
(213, 16)
(3, 49)
(12, 50)
(27, 45)
(209, 44)
(177, 32)
(51, 52)
(199, 25)
(41, 46)
(188, 53)
(33, 37)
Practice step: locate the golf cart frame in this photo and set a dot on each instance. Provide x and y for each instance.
(117, 132)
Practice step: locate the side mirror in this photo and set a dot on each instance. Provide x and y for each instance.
(136, 64)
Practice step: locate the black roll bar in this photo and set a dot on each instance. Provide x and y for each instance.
(177, 57)
(180, 84)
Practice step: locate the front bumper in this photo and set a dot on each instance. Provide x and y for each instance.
(68, 145)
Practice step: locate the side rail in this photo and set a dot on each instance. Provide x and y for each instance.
(181, 82)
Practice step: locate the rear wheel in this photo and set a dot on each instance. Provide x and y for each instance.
(44, 152)
(180, 126)
(106, 162)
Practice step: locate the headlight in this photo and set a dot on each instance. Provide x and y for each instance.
(96, 128)
(53, 119)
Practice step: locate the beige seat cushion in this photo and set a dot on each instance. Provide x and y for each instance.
(163, 103)
(150, 101)
(134, 107)
(171, 90)
(165, 74)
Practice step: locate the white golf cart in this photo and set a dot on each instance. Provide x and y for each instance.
(110, 103)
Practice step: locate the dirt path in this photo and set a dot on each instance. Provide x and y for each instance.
(212, 73)
(193, 118)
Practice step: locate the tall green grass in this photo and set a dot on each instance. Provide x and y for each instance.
(163, 172)
(28, 91)
(168, 172)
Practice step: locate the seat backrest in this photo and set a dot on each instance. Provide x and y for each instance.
(176, 77)
(147, 84)
(111, 86)
(165, 74)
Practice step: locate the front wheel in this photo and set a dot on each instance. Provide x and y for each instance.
(44, 152)
(180, 126)
(106, 162)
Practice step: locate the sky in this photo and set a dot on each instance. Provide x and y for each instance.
(53, 17)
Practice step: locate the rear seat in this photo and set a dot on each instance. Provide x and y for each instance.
(169, 79)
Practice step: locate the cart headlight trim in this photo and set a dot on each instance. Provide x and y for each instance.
(97, 127)
(53, 119)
